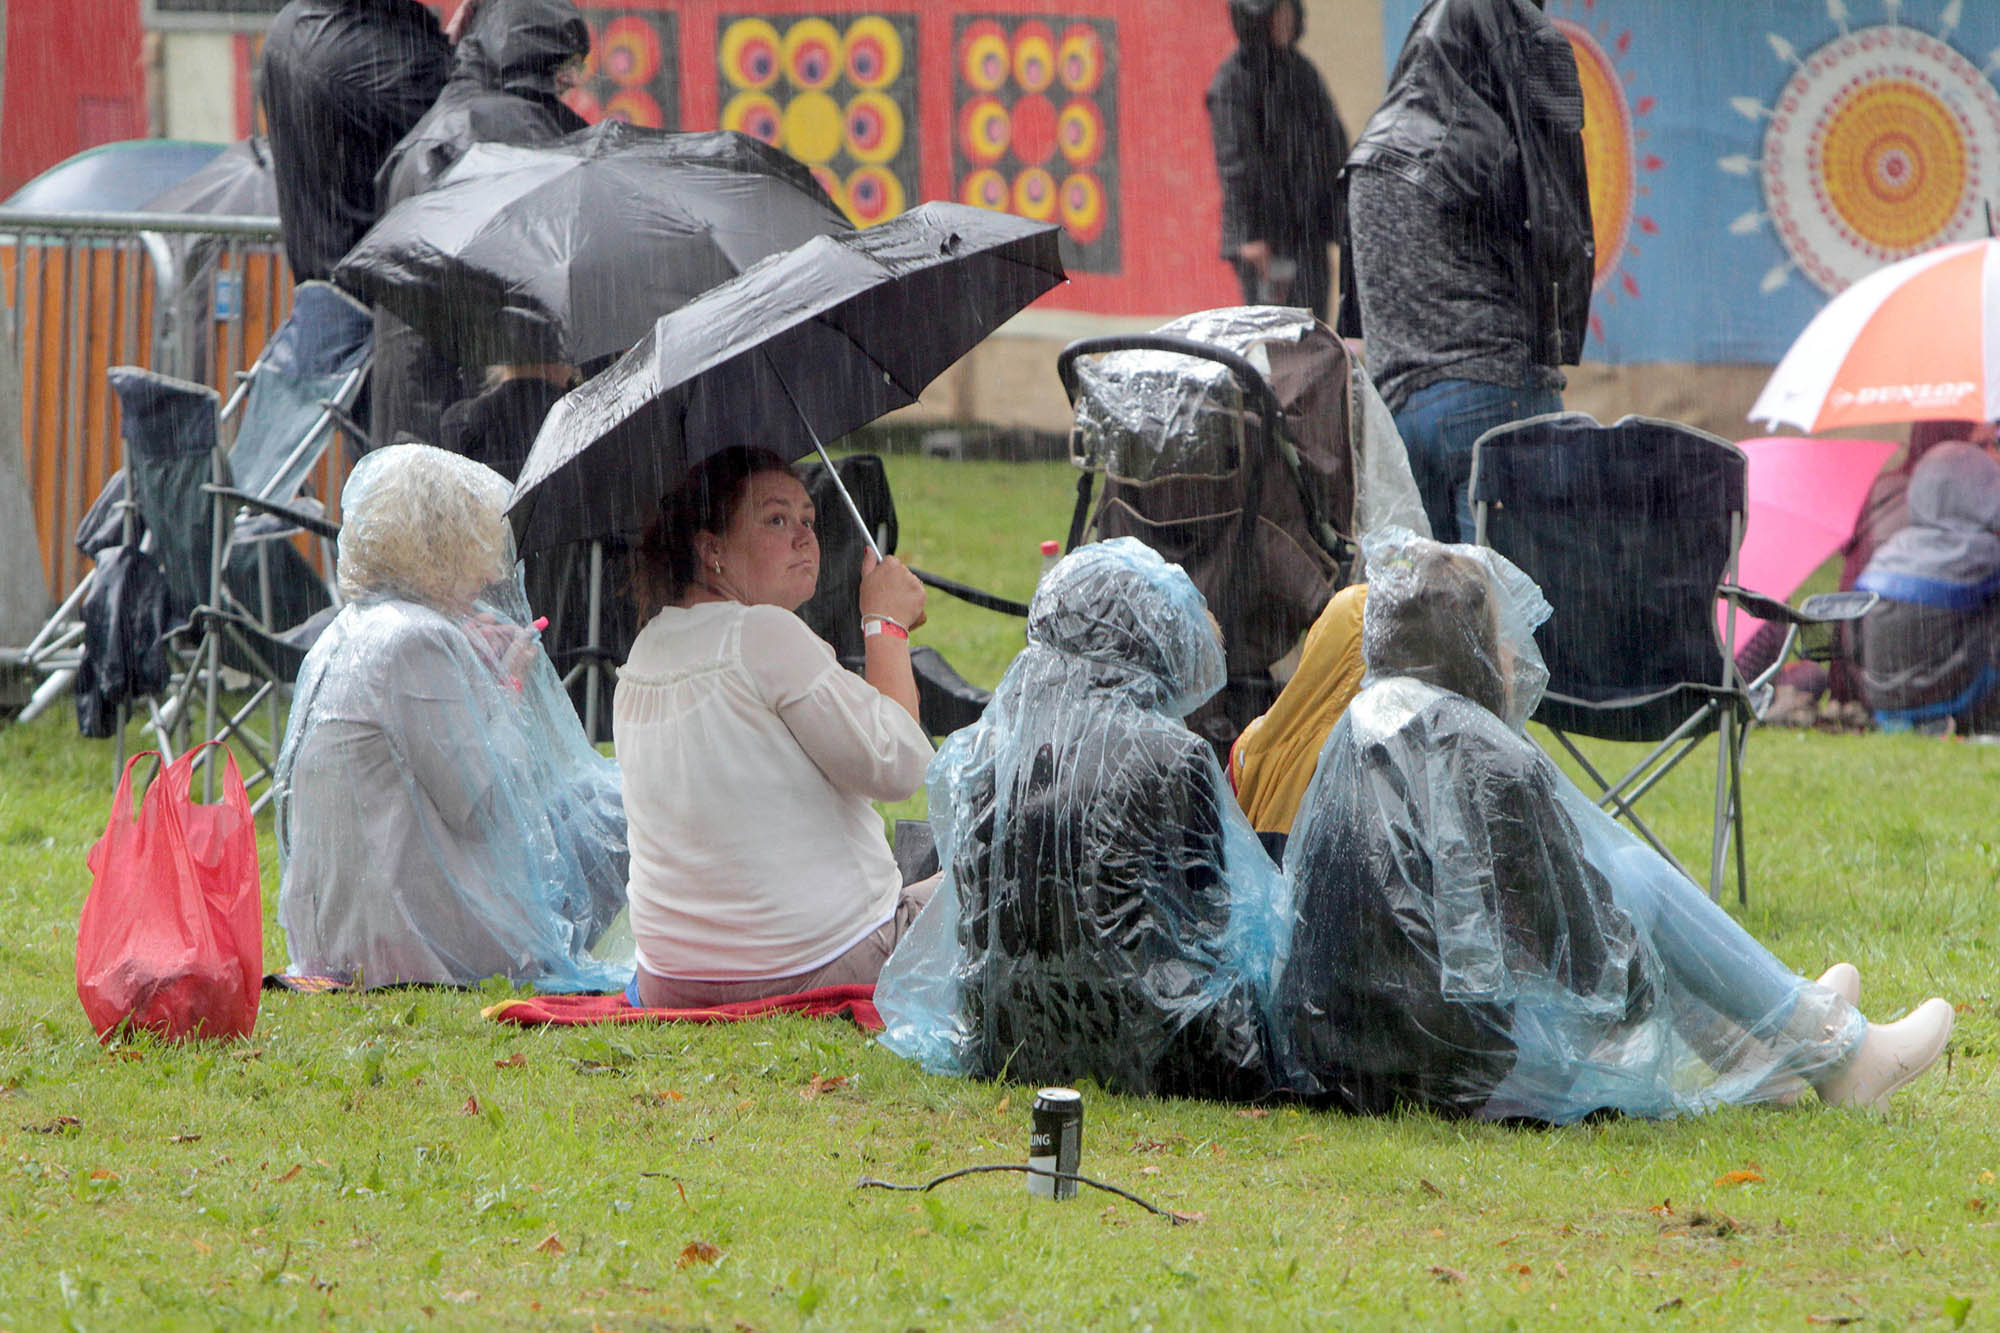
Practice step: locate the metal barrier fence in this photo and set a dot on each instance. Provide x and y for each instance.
(186, 295)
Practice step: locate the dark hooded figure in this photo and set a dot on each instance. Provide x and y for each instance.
(1106, 910)
(1474, 936)
(1469, 253)
(1279, 145)
(341, 81)
(507, 78)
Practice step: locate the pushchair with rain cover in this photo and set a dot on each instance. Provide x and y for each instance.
(1227, 440)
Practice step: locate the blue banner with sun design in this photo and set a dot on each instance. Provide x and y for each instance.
(1747, 160)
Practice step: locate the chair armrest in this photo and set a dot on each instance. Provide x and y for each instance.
(1826, 607)
(312, 523)
(1822, 608)
(988, 601)
(1760, 606)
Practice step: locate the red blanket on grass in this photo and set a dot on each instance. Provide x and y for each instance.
(855, 1002)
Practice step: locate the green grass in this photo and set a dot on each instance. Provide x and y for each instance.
(385, 1161)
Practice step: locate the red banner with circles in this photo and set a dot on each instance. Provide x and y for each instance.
(1036, 110)
(633, 70)
(1083, 112)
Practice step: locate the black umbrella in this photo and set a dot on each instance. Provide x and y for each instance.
(237, 182)
(569, 251)
(804, 347)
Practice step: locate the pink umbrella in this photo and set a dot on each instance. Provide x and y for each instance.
(1804, 496)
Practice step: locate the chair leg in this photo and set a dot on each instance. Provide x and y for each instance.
(1736, 789)
(1719, 838)
(1620, 806)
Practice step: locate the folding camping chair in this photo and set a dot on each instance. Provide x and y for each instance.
(258, 604)
(1632, 531)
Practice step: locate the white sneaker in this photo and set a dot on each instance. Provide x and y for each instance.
(1889, 1056)
(1844, 980)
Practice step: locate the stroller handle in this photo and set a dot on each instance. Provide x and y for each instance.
(1248, 376)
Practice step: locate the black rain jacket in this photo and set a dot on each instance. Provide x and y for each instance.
(502, 89)
(1279, 142)
(341, 81)
(1485, 112)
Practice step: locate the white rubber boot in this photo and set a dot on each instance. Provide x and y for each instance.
(1844, 980)
(1890, 1056)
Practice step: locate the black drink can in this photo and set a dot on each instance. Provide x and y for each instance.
(1055, 1142)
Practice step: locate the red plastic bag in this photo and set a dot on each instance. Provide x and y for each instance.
(172, 935)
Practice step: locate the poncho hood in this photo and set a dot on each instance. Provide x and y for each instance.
(518, 45)
(1129, 613)
(1458, 617)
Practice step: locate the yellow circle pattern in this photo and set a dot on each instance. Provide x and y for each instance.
(875, 28)
(813, 31)
(813, 127)
(1895, 167)
(741, 34)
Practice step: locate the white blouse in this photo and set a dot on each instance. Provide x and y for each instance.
(749, 757)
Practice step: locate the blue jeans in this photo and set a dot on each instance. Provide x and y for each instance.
(1440, 423)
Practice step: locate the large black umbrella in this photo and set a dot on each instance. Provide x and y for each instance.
(568, 251)
(802, 348)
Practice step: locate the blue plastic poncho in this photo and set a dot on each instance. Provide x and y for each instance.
(440, 816)
(1472, 934)
(1106, 911)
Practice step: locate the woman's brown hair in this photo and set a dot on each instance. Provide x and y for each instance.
(664, 565)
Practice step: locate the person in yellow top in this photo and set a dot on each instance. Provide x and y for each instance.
(1272, 762)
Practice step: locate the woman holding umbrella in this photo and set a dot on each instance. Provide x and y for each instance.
(750, 757)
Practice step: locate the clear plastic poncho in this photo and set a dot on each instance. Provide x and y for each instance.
(440, 816)
(1106, 911)
(1472, 934)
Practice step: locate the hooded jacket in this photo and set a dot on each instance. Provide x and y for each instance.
(1278, 140)
(1106, 911)
(502, 88)
(341, 81)
(1485, 113)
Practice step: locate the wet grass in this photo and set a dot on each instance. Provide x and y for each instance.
(394, 1160)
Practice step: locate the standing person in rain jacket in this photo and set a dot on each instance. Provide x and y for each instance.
(508, 73)
(1469, 251)
(1279, 144)
(341, 81)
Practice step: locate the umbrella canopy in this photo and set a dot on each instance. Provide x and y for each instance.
(237, 182)
(804, 347)
(1804, 496)
(1916, 341)
(569, 251)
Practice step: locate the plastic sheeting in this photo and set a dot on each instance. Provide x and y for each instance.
(440, 815)
(1147, 415)
(1472, 934)
(1106, 911)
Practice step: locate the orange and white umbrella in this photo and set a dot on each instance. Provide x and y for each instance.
(1916, 341)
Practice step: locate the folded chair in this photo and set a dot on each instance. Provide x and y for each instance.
(1632, 531)
(257, 603)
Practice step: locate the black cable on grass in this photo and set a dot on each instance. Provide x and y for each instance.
(869, 1182)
